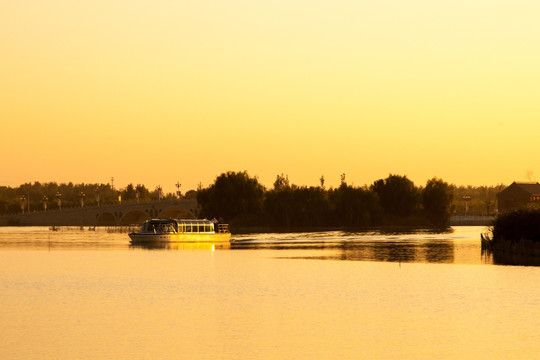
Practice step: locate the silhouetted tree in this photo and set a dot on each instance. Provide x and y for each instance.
(234, 195)
(343, 181)
(279, 206)
(397, 195)
(144, 193)
(517, 225)
(190, 194)
(293, 206)
(282, 182)
(354, 206)
(129, 193)
(437, 199)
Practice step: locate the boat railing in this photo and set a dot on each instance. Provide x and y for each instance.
(222, 228)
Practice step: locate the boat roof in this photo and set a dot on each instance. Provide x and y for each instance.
(180, 221)
(193, 221)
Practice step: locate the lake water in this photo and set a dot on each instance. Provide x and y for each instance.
(75, 294)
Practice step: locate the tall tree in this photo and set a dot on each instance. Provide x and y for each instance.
(354, 206)
(437, 199)
(397, 195)
(233, 195)
(129, 193)
(282, 182)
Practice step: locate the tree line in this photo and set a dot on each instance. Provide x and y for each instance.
(40, 196)
(479, 200)
(393, 201)
(242, 200)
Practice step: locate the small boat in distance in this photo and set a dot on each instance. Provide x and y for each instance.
(181, 230)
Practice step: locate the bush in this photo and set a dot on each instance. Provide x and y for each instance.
(517, 225)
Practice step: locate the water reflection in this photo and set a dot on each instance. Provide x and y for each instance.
(500, 258)
(434, 251)
(461, 246)
(162, 245)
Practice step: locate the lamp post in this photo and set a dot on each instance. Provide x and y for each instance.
(45, 198)
(82, 195)
(97, 197)
(488, 206)
(178, 193)
(159, 192)
(59, 198)
(23, 203)
(466, 198)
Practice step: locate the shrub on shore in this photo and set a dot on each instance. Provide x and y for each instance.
(517, 225)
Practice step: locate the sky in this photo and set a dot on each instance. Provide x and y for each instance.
(159, 92)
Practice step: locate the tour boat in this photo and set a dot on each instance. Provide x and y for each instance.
(181, 230)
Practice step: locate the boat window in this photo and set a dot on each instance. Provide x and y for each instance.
(193, 226)
(168, 228)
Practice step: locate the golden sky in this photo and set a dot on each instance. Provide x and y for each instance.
(156, 92)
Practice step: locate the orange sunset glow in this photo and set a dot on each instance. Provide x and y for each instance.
(156, 92)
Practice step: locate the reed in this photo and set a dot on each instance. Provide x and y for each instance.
(516, 235)
(517, 225)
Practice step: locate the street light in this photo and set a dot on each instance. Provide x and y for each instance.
(59, 198)
(82, 195)
(466, 198)
(45, 198)
(97, 197)
(178, 193)
(23, 201)
(158, 188)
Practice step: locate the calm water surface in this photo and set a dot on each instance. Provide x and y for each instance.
(88, 295)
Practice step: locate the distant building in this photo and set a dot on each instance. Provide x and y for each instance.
(518, 195)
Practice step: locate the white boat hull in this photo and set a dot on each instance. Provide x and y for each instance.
(180, 237)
